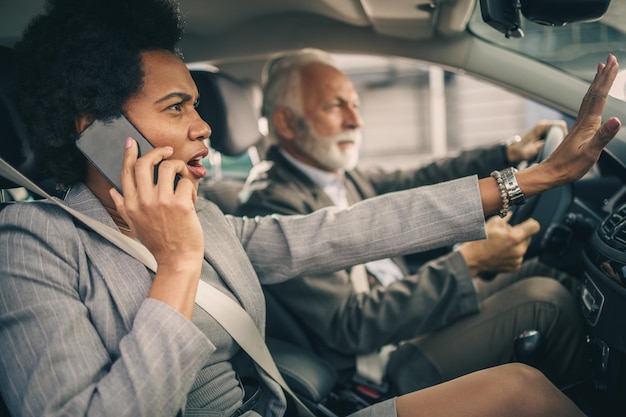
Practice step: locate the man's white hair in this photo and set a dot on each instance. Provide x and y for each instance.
(282, 81)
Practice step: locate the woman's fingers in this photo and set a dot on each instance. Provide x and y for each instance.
(138, 181)
(588, 136)
(128, 167)
(595, 98)
(607, 131)
(145, 167)
(167, 174)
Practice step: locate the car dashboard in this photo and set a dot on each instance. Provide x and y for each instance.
(593, 232)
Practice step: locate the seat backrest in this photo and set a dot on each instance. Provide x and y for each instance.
(229, 106)
(281, 325)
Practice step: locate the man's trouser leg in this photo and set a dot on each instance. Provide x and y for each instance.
(486, 339)
(530, 269)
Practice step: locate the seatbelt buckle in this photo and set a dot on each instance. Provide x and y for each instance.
(370, 389)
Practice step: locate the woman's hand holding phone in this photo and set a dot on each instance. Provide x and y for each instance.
(165, 221)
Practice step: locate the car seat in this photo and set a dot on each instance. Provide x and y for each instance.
(228, 105)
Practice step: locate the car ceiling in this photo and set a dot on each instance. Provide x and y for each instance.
(409, 19)
(212, 22)
(239, 35)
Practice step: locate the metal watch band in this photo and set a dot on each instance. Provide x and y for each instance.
(515, 194)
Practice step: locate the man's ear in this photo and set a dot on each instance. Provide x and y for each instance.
(82, 122)
(285, 123)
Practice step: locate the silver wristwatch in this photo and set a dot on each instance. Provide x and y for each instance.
(515, 194)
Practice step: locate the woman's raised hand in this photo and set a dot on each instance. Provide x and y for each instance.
(583, 144)
(578, 151)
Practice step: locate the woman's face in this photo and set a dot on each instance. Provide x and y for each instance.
(164, 111)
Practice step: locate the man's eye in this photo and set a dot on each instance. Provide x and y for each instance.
(177, 106)
(196, 104)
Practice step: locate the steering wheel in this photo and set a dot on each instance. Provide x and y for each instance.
(550, 206)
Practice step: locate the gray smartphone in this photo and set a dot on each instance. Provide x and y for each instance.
(104, 142)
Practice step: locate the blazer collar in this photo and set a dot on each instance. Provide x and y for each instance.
(274, 155)
(80, 198)
(290, 174)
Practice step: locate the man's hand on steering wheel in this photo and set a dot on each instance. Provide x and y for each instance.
(528, 146)
(551, 206)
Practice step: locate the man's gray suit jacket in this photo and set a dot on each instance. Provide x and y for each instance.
(341, 322)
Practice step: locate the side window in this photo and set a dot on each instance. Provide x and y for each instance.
(415, 112)
(228, 167)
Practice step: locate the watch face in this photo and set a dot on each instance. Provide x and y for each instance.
(515, 194)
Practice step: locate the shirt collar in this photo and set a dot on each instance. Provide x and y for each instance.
(330, 182)
(318, 176)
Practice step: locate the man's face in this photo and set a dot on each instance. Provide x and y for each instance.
(328, 134)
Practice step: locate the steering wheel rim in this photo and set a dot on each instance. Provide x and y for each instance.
(548, 207)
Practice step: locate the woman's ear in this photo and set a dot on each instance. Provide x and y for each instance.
(285, 123)
(82, 122)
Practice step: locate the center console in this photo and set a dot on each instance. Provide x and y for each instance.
(603, 304)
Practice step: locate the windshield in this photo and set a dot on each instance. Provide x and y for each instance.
(575, 48)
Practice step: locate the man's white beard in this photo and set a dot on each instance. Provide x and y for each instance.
(327, 152)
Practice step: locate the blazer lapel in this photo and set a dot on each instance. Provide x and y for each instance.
(127, 279)
(290, 175)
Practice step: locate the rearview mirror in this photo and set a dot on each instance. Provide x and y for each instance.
(561, 12)
(505, 15)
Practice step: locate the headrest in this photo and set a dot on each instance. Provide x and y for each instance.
(228, 106)
(13, 143)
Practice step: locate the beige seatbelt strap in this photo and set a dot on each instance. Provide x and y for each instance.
(231, 316)
(359, 279)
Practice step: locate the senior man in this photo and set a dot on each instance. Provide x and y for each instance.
(379, 322)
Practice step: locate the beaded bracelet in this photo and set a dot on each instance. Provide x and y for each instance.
(503, 193)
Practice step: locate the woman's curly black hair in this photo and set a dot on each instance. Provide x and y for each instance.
(82, 58)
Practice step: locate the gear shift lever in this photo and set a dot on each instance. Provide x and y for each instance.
(528, 348)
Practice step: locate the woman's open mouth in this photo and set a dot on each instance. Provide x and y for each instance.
(195, 166)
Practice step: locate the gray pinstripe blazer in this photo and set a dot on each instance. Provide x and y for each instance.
(79, 337)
